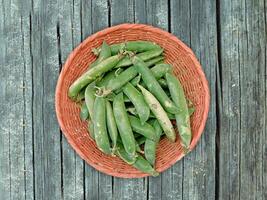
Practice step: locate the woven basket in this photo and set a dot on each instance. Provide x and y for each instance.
(185, 67)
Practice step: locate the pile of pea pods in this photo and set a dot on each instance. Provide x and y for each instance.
(131, 99)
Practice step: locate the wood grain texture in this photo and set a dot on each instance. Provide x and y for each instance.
(243, 117)
(68, 37)
(123, 11)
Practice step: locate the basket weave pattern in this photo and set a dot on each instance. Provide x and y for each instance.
(186, 68)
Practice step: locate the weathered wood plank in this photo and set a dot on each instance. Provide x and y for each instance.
(90, 174)
(195, 23)
(100, 20)
(69, 35)
(157, 15)
(243, 116)
(121, 12)
(47, 159)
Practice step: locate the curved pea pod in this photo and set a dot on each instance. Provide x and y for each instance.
(153, 86)
(135, 46)
(144, 166)
(141, 140)
(80, 96)
(182, 118)
(104, 54)
(92, 74)
(123, 124)
(154, 61)
(138, 101)
(91, 129)
(144, 129)
(121, 79)
(160, 70)
(89, 96)
(151, 146)
(120, 151)
(111, 124)
(84, 114)
(104, 81)
(100, 128)
(159, 113)
(126, 61)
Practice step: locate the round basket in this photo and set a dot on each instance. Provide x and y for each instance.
(185, 67)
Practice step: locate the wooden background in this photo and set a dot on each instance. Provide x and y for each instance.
(228, 37)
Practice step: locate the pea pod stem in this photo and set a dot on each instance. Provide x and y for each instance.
(104, 54)
(135, 46)
(92, 74)
(126, 61)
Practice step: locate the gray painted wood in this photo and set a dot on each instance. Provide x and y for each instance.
(69, 36)
(230, 161)
(47, 158)
(123, 11)
(243, 116)
(200, 34)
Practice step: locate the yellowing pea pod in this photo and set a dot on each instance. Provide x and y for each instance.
(159, 113)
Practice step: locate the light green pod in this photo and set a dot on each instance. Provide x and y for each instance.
(104, 54)
(160, 114)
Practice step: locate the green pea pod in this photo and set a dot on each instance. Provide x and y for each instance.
(104, 81)
(91, 129)
(160, 70)
(151, 146)
(135, 46)
(153, 86)
(138, 101)
(154, 61)
(104, 54)
(182, 118)
(126, 61)
(121, 79)
(141, 140)
(146, 129)
(138, 149)
(80, 96)
(120, 151)
(111, 124)
(123, 124)
(92, 74)
(163, 83)
(191, 110)
(100, 128)
(90, 99)
(84, 114)
(159, 113)
(144, 166)
(136, 80)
